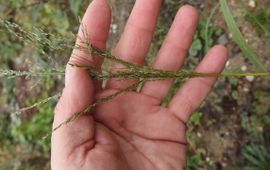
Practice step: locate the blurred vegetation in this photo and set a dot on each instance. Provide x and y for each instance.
(257, 153)
(261, 19)
(21, 144)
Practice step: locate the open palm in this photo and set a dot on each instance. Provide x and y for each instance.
(131, 131)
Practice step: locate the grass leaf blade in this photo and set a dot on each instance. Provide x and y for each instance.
(238, 37)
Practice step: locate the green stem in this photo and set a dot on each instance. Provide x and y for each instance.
(206, 34)
(231, 74)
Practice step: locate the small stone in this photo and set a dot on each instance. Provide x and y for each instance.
(260, 129)
(224, 164)
(252, 3)
(114, 28)
(223, 40)
(250, 78)
(244, 68)
(230, 35)
(245, 89)
(228, 63)
(199, 135)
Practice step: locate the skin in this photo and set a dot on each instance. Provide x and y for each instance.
(132, 131)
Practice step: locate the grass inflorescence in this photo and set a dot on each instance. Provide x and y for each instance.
(37, 37)
(9, 74)
(55, 97)
(128, 71)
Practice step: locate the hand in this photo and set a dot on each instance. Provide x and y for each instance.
(131, 131)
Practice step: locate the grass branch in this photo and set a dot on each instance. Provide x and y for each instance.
(55, 97)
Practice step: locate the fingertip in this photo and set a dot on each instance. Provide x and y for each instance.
(224, 50)
(215, 60)
(190, 10)
(98, 19)
(221, 48)
(103, 5)
(219, 52)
